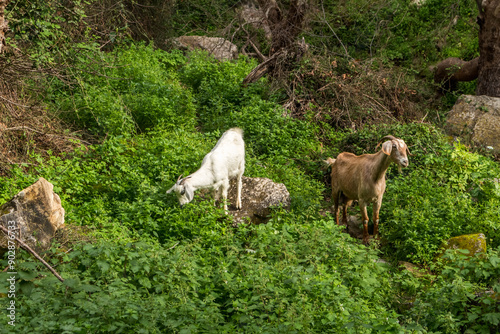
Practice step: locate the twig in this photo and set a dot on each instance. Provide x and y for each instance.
(259, 54)
(28, 248)
(333, 31)
(17, 104)
(173, 246)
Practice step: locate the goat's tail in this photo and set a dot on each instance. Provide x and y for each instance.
(329, 161)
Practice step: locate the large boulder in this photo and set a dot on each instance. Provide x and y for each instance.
(218, 47)
(36, 213)
(476, 118)
(258, 197)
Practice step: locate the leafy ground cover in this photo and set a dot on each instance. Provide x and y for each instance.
(141, 264)
(154, 268)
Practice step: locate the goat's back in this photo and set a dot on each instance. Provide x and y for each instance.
(349, 172)
(227, 158)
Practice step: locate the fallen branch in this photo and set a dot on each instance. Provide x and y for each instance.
(261, 69)
(452, 70)
(28, 248)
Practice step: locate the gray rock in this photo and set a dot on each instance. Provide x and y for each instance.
(36, 213)
(258, 197)
(476, 118)
(354, 226)
(218, 47)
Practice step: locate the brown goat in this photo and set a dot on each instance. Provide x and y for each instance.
(362, 178)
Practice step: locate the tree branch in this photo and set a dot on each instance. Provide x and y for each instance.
(28, 248)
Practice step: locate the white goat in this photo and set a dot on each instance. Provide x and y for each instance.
(224, 162)
(362, 178)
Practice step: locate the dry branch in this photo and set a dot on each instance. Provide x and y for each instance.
(261, 69)
(28, 248)
(285, 28)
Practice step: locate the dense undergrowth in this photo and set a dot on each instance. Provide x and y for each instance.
(152, 267)
(155, 267)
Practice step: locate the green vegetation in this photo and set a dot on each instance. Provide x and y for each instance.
(144, 265)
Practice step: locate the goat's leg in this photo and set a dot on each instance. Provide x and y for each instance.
(217, 192)
(225, 187)
(364, 214)
(238, 196)
(346, 203)
(335, 199)
(376, 209)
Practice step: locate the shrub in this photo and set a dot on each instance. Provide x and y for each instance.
(295, 274)
(399, 31)
(462, 298)
(449, 195)
(133, 88)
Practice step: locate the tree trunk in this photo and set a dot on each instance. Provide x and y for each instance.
(488, 82)
(3, 24)
(285, 50)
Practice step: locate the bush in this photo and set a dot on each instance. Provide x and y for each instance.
(463, 298)
(295, 274)
(398, 31)
(449, 195)
(133, 88)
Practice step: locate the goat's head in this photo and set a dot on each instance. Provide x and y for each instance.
(183, 190)
(396, 148)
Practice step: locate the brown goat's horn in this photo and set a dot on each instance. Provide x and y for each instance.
(408, 150)
(184, 179)
(388, 137)
(180, 177)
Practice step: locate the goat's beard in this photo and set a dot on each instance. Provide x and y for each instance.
(399, 169)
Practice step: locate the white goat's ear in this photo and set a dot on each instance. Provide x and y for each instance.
(171, 189)
(387, 147)
(188, 191)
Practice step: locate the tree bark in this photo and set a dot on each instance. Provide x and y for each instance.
(3, 23)
(488, 82)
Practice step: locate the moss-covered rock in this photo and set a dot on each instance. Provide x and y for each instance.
(474, 243)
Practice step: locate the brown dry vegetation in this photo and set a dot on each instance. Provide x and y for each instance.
(26, 126)
(355, 93)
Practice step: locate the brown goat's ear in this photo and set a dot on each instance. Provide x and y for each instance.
(387, 147)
